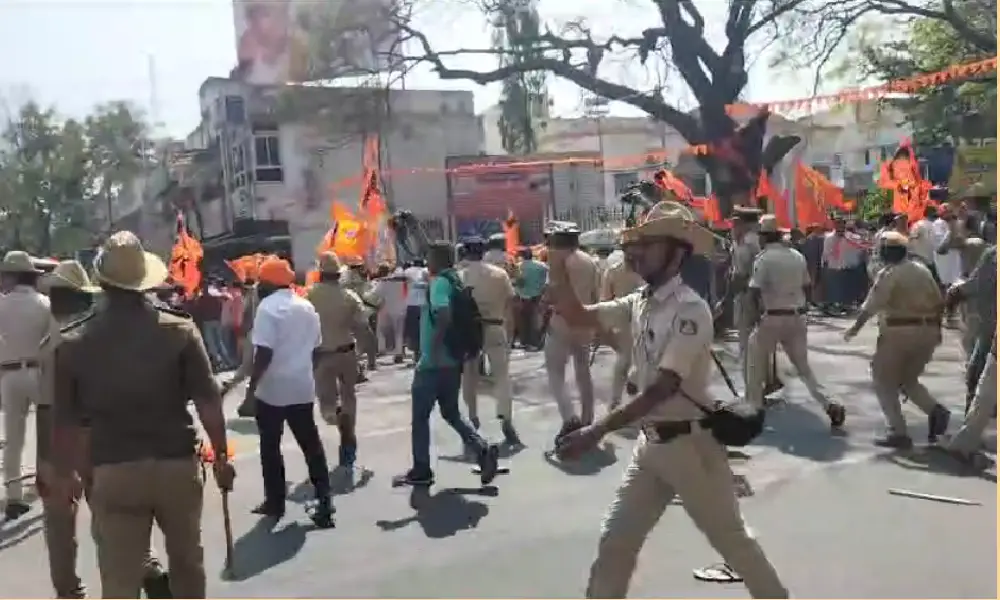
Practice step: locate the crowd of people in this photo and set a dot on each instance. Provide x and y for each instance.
(112, 367)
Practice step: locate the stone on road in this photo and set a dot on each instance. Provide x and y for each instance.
(820, 506)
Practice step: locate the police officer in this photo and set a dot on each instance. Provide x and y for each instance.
(342, 317)
(494, 294)
(355, 279)
(909, 305)
(565, 342)
(966, 443)
(496, 251)
(71, 296)
(24, 321)
(619, 281)
(675, 455)
(977, 294)
(777, 288)
(125, 376)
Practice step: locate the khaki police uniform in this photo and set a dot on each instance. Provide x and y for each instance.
(675, 456)
(969, 437)
(620, 280)
(564, 343)
(357, 282)
(494, 294)
(908, 303)
(342, 315)
(127, 375)
(781, 275)
(971, 320)
(61, 518)
(24, 321)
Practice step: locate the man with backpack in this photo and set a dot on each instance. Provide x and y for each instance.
(451, 333)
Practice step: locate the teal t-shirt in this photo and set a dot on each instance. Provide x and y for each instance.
(532, 280)
(440, 297)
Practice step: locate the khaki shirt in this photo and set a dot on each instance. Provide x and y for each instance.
(904, 290)
(341, 312)
(673, 332)
(24, 321)
(491, 288)
(47, 355)
(780, 273)
(585, 279)
(128, 374)
(744, 252)
(619, 281)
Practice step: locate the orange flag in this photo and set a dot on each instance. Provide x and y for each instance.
(901, 174)
(512, 234)
(350, 239)
(712, 213)
(810, 200)
(185, 256)
(666, 180)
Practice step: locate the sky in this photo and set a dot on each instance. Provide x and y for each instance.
(74, 54)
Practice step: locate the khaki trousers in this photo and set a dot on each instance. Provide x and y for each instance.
(746, 318)
(126, 499)
(336, 378)
(790, 332)
(969, 438)
(901, 355)
(560, 347)
(497, 350)
(694, 468)
(971, 323)
(623, 362)
(19, 390)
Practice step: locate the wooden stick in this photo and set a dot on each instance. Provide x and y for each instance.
(24, 477)
(934, 498)
(228, 524)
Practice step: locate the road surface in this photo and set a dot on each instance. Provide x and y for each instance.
(820, 505)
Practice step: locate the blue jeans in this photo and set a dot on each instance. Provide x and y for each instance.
(441, 386)
(215, 343)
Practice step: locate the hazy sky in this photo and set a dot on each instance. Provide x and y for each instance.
(76, 53)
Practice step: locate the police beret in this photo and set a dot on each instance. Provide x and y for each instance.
(562, 228)
(473, 240)
(894, 238)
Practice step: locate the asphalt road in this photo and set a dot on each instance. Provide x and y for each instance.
(819, 506)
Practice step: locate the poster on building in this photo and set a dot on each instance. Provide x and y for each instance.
(974, 165)
(294, 41)
(482, 197)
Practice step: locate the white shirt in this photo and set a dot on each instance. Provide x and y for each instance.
(417, 279)
(289, 326)
(842, 252)
(922, 240)
(949, 265)
(389, 292)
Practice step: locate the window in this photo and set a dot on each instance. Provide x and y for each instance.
(623, 180)
(235, 111)
(267, 154)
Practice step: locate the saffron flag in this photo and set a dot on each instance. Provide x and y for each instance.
(810, 198)
(512, 234)
(185, 256)
(901, 175)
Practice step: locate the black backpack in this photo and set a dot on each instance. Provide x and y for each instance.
(464, 337)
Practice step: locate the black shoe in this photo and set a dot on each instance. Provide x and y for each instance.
(837, 415)
(414, 477)
(157, 585)
(397, 360)
(322, 513)
(488, 464)
(15, 510)
(80, 591)
(270, 509)
(937, 423)
(894, 440)
(510, 436)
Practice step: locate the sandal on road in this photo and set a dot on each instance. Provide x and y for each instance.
(717, 573)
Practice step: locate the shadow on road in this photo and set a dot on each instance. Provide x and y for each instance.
(591, 463)
(935, 460)
(342, 482)
(242, 425)
(444, 513)
(21, 530)
(264, 547)
(801, 431)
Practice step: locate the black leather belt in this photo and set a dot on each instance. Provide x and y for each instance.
(17, 365)
(492, 321)
(901, 321)
(785, 312)
(338, 349)
(663, 432)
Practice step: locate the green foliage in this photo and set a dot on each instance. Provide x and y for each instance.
(951, 111)
(874, 203)
(524, 96)
(56, 175)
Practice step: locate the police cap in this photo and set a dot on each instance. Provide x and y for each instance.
(747, 214)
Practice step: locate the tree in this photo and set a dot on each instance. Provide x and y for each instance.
(948, 112)
(524, 97)
(715, 77)
(53, 172)
(119, 148)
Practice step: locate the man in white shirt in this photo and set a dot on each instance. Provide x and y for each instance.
(417, 280)
(921, 242)
(286, 334)
(842, 257)
(496, 251)
(391, 293)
